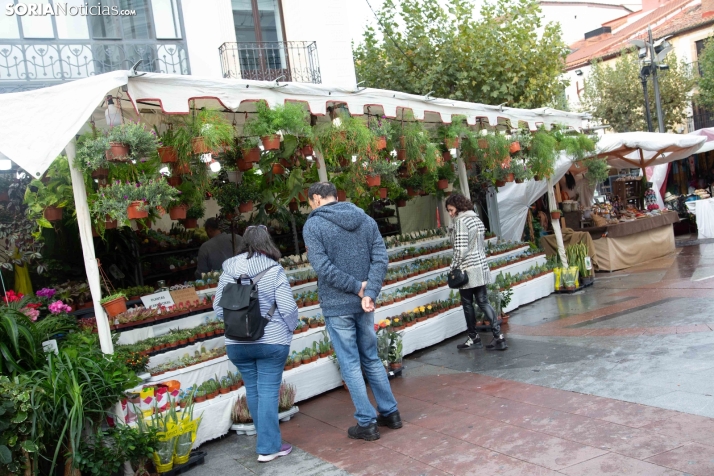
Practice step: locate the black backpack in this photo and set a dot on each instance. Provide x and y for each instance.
(241, 309)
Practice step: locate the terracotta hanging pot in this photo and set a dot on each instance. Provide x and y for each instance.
(446, 156)
(510, 178)
(115, 307)
(515, 147)
(302, 196)
(382, 193)
(167, 154)
(245, 207)
(307, 150)
(381, 143)
(411, 192)
(473, 158)
(161, 210)
(402, 154)
(110, 224)
(174, 181)
(198, 145)
(284, 163)
(452, 142)
(500, 183)
(442, 184)
(555, 215)
(519, 180)
(181, 169)
(374, 180)
(244, 165)
(483, 143)
(100, 173)
(402, 142)
(53, 214)
(278, 169)
(341, 196)
(271, 142)
(251, 155)
(178, 212)
(422, 170)
(536, 178)
(133, 211)
(293, 205)
(117, 152)
(190, 223)
(401, 203)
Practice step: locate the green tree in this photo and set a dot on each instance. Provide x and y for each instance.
(705, 95)
(422, 46)
(613, 93)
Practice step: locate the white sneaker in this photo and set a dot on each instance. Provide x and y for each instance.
(284, 451)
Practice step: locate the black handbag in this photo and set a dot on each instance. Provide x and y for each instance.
(457, 279)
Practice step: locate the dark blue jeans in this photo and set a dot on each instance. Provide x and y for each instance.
(355, 344)
(261, 366)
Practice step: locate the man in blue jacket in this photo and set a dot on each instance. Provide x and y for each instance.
(347, 252)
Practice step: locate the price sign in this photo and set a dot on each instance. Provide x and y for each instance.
(181, 296)
(157, 299)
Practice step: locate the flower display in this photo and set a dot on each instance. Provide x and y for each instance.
(33, 314)
(58, 307)
(46, 293)
(12, 296)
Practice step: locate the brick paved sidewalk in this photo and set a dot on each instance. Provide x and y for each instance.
(474, 424)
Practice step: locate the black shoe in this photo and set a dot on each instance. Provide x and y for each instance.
(471, 343)
(367, 433)
(498, 344)
(393, 420)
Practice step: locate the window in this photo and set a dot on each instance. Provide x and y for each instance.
(257, 21)
(37, 27)
(166, 19)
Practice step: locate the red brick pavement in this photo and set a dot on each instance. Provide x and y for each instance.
(474, 424)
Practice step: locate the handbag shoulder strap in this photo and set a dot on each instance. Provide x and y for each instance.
(258, 276)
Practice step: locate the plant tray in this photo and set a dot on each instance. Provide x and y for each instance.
(565, 291)
(196, 458)
(248, 429)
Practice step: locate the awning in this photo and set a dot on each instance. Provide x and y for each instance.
(646, 149)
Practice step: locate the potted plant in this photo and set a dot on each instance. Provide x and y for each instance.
(46, 201)
(451, 134)
(193, 214)
(597, 170)
(209, 131)
(542, 154)
(555, 214)
(445, 175)
(375, 170)
(290, 119)
(114, 304)
(351, 138)
(382, 129)
(131, 141)
(520, 171)
(168, 154)
(91, 154)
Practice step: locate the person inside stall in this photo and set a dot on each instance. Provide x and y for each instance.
(213, 253)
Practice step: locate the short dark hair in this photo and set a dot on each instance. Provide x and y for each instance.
(211, 224)
(258, 240)
(323, 189)
(459, 202)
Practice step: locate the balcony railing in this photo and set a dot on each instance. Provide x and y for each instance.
(295, 61)
(24, 64)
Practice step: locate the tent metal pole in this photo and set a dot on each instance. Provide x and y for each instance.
(463, 176)
(320, 163)
(556, 224)
(84, 222)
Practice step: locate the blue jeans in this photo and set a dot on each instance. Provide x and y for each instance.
(355, 344)
(262, 368)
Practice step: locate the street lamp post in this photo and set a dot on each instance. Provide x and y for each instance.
(644, 72)
(657, 52)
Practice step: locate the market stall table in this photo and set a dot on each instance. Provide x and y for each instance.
(704, 211)
(628, 244)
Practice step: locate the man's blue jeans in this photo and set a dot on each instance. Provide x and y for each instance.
(262, 368)
(355, 344)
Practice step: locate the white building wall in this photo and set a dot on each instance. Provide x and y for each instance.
(208, 25)
(327, 23)
(576, 20)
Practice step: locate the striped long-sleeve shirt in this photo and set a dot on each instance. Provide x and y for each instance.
(273, 287)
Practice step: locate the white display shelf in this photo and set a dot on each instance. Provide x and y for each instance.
(133, 336)
(521, 266)
(190, 349)
(248, 429)
(531, 291)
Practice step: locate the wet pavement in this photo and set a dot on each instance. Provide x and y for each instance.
(615, 379)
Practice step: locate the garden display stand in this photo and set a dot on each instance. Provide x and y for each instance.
(248, 429)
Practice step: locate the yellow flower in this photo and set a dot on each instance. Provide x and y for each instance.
(429, 307)
(415, 310)
(421, 309)
(396, 320)
(387, 321)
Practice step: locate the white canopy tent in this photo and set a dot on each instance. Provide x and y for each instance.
(644, 149)
(38, 125)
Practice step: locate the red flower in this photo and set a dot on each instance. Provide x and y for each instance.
(11, 296)
(376, 327)
(34, 305)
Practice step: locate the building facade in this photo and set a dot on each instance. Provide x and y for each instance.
(46, 42)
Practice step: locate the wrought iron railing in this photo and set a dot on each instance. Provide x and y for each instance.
(295, 61)
(23, 63)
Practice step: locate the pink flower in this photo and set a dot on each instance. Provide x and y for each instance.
(33, 314)
(58, 307)
(46, 292)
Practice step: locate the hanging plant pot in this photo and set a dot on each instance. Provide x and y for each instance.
(401, 203)
(167, 155)
(178, 212)
(117, 152)
(411, 192)
(381, 143)
(302, 196)
(271, 142)
(422, 170)
(519, 180)
(251, 155)
(343, 162)
(515, 147)
(307, 150)
(100, 173)
(133, 211)
(115, 307)
(374, 180)
(190, 223)
(341, 196)
(110, 224)
(536, 178)
(500, 183)
(53, 214)
(174, 181)
(270, 209)
(446, 156)
(482, 144)
(510, 178)
(402, 154)
(555, 215)
(181, 169)
(198, 145)
(161, 210)
(245, 207)
(442, 184)
(278, 169)
(472, 159)
(402, 142)
(293, 205)
(383, 193)
(95, 233)
(244, 165)
(284, 163)
(451, 142)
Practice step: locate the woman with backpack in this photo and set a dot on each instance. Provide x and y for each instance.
(467, 236)
(258, 343)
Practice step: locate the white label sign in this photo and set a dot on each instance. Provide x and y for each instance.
(588, 263)
(157, 299)
(50, 346)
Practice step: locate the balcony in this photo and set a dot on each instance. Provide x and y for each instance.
(295, 61)
(26, 65)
